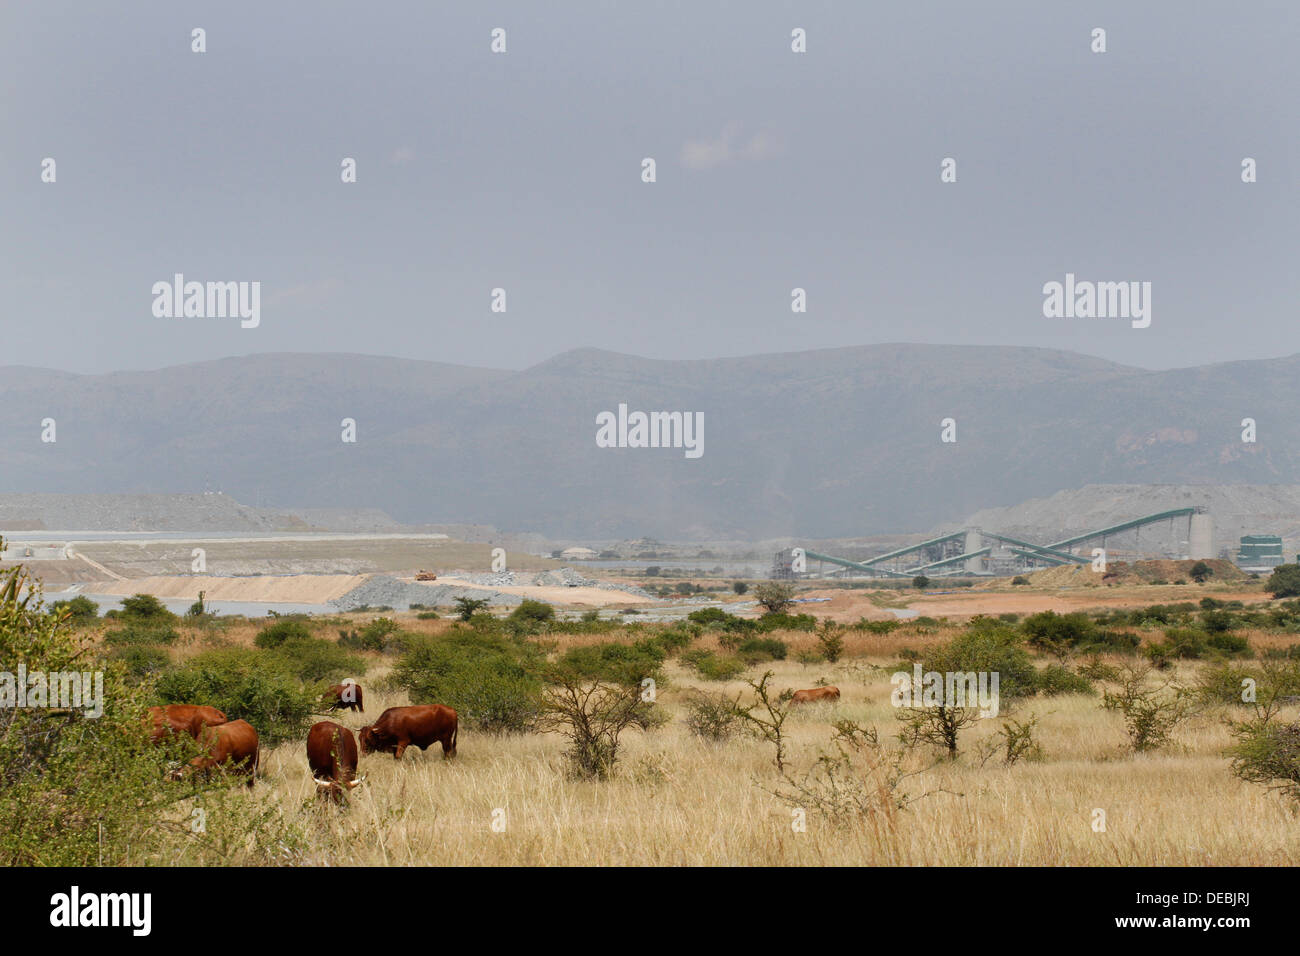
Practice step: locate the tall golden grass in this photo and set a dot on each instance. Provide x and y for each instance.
(679, 800)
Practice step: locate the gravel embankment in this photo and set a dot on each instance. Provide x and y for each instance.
(385, 591)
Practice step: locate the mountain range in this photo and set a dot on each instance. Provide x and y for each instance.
(819, 444)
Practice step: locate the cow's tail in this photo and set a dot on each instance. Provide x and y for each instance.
(257, 759)
(454, 732)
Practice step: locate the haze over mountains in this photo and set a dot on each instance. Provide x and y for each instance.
(822, 444)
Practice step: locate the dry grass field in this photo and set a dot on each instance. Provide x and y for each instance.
(679, 800)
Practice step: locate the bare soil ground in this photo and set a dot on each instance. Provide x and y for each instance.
(850, 605)
(289, 589)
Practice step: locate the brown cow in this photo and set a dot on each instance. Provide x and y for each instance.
(399, 727)
(815, 695)
(181, 718)
(235, 742)
(332, 755)
(346, 696)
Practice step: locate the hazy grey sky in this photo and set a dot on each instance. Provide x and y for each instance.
(522, 171)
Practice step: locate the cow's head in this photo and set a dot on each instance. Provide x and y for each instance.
(370, 739)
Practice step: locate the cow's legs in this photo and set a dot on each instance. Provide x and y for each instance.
(401, 749)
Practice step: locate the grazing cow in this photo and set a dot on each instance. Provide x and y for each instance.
(181, 719)
(399, 727)
(235, 742)
(332, 755)
(346, 696)
(815, 695)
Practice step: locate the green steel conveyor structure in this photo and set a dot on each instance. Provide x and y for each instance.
(1125, 526)
(1057, 553)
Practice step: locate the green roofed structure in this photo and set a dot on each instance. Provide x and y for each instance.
(1259, 551)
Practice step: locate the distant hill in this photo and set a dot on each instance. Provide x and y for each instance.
(817, 444)
(208, 512)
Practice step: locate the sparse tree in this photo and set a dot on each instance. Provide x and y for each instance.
(1014, 739)
(592, 714)
(1200, 571)
(1151, 713)
(774, 596)
(939, 725)
(767, 715)
(466, 608)
(829, 640)
(1268, 753)
(712, 716)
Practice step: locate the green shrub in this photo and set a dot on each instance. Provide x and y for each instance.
(1058, 633)
(493, 682)
(1217, 621)
(1233, 645)
(248, 685)
(712, 666)
(428, 616)
(757, 649)
(284, 629)
(1020, 579)
(1284, 581)
(533, 613)
(80, 610)
(712, 716)
(82, 791)
(1268, 753)
(1162, 614)
(1223, 684)
(137, 633)
(615, 663)
(141, 660)
(1191, 644)
(829, 640)
(1112, 642)
(711, 617)
(374, 636)
(990, 647)
(674, 640)
(1094, 668)
(1055, 679)
(786, 622)
(714, 618)
(313, 659)
(1185, 643)
(1151, 714)
(382, 634)
(485, 622)
(146, 607)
